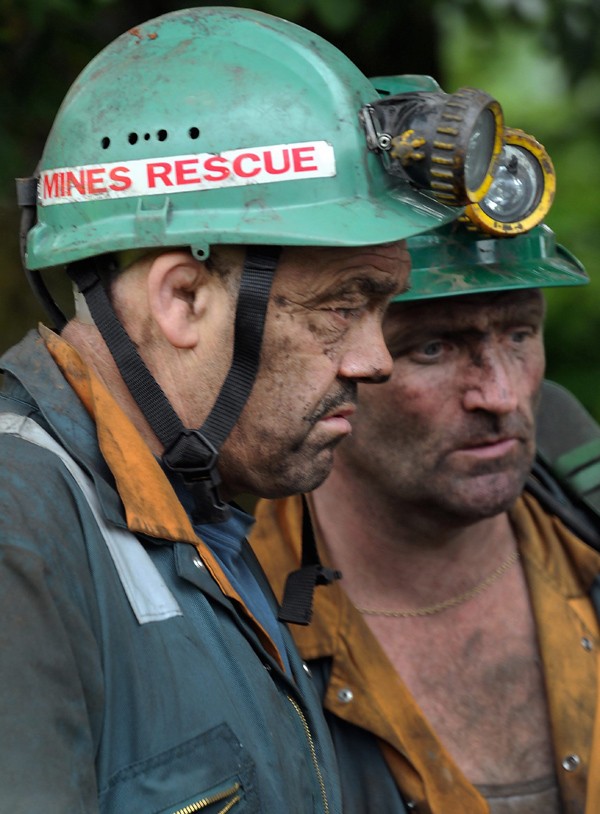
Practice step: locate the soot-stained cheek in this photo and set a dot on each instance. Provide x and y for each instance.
(312, 325)
(330, 353)
(282, 358)
(325, 338)
(326, 328)
(405, 401)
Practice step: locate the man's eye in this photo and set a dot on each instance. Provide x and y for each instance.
(429, 352)
(431, 349)
(521, 335)
(346, 312)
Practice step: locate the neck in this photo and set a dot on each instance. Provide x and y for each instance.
(394, 555)
(88, 343)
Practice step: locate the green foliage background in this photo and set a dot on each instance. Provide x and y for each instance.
(540, 58)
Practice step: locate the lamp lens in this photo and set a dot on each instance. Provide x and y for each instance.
(517, 186)
(480, 149)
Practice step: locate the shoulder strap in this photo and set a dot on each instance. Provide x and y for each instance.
(297, 604)
(566, 474)
(148, 594)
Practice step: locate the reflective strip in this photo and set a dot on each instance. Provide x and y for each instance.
(148, 594)
(197, 172)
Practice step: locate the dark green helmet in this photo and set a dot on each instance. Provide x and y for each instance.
(217, 125)
(452, 260)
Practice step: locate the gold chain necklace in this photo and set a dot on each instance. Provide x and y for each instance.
(429, 610)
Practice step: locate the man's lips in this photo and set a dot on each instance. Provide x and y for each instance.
(489, 447)
(338, 419)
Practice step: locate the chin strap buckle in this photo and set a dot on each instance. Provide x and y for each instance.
(192, 456)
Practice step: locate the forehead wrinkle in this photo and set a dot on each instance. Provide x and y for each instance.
(472, 312)
(380, 286)
(499, 315)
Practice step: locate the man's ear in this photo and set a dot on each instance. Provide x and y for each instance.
(179, 288)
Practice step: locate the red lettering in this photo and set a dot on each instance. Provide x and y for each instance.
(217, 165)
(95, 180)
(300, 158)
(74, 181)
(51, 185)
(120, 179)
(238, 168)
(270, 167)
(159, 171)
(185, 171)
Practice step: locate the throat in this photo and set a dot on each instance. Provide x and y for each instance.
(451, 602)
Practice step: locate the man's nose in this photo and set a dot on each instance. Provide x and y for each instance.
(366, 358)
(492, 383)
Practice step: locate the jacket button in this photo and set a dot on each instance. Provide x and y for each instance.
(345, 696)
(571, 762)
(587, 644)
(198, 562)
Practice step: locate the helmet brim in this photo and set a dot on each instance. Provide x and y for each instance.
(447, 265)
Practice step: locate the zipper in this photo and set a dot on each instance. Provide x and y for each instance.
(214, 798)
(313, 752)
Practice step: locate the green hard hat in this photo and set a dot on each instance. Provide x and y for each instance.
(451, 260)
(217, 125)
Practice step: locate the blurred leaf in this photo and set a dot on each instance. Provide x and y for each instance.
(338, 15)
(291, 9)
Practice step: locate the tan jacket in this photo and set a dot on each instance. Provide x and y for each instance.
(560, 570)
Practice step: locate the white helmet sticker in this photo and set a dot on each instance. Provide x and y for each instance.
(187, 173)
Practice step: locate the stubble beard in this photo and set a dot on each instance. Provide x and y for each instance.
(485, 491)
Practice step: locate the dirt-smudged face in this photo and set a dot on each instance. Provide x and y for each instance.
(322, 336)
(452, 431)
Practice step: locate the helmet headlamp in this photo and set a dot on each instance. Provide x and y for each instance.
(448, 144)
(522, 190)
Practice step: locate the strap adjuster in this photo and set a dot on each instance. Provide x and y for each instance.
(203, 478)
(184, 454)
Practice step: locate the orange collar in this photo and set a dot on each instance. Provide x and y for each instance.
(155, 510)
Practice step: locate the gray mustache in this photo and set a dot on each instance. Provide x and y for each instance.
(347, 393)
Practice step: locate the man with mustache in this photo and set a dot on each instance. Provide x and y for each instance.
(457, 654)
(233, 241)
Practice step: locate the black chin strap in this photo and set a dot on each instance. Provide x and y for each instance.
(300, 585)
(193, 453)
(27, 201)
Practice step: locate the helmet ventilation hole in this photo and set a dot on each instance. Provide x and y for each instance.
(161, 135)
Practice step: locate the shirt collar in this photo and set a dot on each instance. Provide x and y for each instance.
(155, 510)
